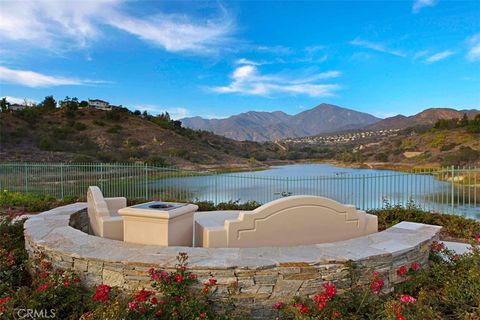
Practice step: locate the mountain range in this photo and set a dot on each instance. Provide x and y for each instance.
(324, 118)
(270, 126)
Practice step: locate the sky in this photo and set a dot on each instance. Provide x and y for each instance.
(214, 59)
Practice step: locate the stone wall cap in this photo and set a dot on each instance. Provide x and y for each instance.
(51, 231)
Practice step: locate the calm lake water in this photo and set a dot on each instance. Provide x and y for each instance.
(364, 188)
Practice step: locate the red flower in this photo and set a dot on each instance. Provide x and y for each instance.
(191, 276)
(206, 289)
(42, 287)
(154, 300)
(212, 281)
(155, 276)
(66, 283)
(407, 299)
(76, 279)
(45, 264)
(322, 298)
(278, 305)
(142, 295)
(174, 313)
(151, 271)
(415, 266)
(182, 254)
(477, 237)
(203, 315)
(159, 312)
(302, 308)
(4, 300)
(437, 247)
(178, 278)
(400, 317)
(102, 294)
(402, 271)
(183, 268)
(456, 257)
(10, 259)
(43, 275)
(376, 283)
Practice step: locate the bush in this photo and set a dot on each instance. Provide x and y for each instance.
(453, 226)
(79, 126)
(448, 288)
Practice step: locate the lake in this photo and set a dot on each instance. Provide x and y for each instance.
(365, 188)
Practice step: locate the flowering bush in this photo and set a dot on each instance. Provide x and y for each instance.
(449, 288)
(171, 297)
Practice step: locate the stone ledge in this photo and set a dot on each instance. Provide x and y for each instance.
(264, 274)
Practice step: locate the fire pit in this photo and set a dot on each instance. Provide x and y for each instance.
(159, 223)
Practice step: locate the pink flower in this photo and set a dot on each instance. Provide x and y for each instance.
(407, 299)
(278, 305)
(402, 271)
(102, 294)
(142, 295)
(415, 266)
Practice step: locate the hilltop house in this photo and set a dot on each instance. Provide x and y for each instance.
(17, 107)
(99, 104)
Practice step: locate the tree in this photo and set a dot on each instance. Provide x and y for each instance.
(83, 104)
(464, 121)
(48, 104)
(4, 104)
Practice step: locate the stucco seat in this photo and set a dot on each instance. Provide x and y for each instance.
(103, 214)
(289, 221)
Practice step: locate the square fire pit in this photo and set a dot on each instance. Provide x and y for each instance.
(159, 223)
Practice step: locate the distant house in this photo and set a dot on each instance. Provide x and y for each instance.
(17, 107)
(99, 104)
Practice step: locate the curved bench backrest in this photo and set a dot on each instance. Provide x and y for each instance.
(97, 207)
(297, 220)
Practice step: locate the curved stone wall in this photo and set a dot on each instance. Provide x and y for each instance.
(255, 278)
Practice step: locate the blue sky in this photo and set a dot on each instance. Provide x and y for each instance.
(215, 59)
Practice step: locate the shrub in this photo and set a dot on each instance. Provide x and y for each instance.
(80, 126)
(99, 123)
(27, 201)
(453, 226)
(449, 288)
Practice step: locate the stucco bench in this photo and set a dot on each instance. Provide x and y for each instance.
(289, 221)
(103, 214)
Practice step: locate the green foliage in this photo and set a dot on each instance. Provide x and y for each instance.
(462, 156)
(474, 125)
(99, 123)
(454, 226)
(114, 129)
(48, 104)
(27, 201)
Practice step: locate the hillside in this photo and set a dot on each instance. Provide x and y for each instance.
(116, 136)
(271, 126)
(427, 117)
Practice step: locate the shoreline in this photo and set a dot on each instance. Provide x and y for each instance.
(400, 167)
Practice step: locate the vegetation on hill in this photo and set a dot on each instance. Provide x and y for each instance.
(76, 133)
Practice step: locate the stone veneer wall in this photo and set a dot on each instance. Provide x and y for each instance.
(255, 278)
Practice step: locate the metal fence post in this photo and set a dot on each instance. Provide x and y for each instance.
(216, 188)
(26, 176)
(363, 192)
(61, 181)
(453, 187)
(146, 181)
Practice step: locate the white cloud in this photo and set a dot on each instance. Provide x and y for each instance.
(34, 79)
(439, 56)
(247, 79)
(16, 100)
(377, 47)
(66, 25)
(419, 4)
(473, 53)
